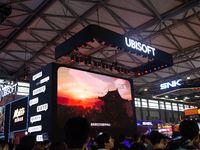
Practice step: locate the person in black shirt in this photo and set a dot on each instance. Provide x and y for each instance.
(121, 145)
(138, 143)
(157, 140)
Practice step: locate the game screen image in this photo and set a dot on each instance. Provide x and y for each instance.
(105, 101)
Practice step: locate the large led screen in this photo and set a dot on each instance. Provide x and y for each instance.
(104, 100)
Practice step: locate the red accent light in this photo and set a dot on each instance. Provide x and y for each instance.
(129, 73)
(138, 74)
(88, 42)
(99, 66)
(89, 64)
(146, 71)
(25, 77)
(198, 89)
(81, 62)
(80, 46)
(106, 68)
(154, 68)
(72, 60)
(162, 66)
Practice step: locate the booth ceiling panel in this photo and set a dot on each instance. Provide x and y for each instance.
(184, 31)
(129, 5)
(32, 4)
(196, 63)
(45, 35)
(61, 22)
(134, 19)
(185, 42)
(6, 33)
(39, 23)
(18, 20)
(78, 7)
(58, 9)
(179, 69)
(164, 6)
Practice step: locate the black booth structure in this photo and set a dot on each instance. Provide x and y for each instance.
(58, 93)
(157, 59)
(15, 118)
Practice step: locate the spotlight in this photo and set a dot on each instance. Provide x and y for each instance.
(89, 62)
(92, 40)
(86, 62)
(72, 58)
(85, 44)
(77, 61)
(81, 60)
(125, 72)
(110, 68)
(99, 65)
(103, 66)
(100, 41)
(118, 69)
(95, 64)
(115, 69)
(106, 67)
(106, 43)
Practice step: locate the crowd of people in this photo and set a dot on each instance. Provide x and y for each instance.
(77, 134)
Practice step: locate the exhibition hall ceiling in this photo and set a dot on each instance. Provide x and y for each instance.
(29, 36)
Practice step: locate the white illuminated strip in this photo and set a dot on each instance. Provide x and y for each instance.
(139, 46)
(35, 118)
(147, 123)
(39, 138)
(36, 76)
(167, 85)
(43, 107)
(163, 130)
(33, 101)
(44, 80)
(20, 93)
(35, 129)
(100, 124)
(39, 90)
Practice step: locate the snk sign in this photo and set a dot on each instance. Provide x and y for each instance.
(168, 85)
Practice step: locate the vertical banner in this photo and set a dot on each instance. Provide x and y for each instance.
(39, 122)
